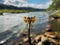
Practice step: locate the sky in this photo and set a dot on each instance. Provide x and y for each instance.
(41, 4)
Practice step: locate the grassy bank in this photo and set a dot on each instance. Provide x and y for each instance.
(55, 6)
(56, 14)
(13, 11)
(55, 24)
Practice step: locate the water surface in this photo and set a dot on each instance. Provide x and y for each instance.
(13, 23)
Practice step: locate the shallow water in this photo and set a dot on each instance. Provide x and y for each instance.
(13, 23)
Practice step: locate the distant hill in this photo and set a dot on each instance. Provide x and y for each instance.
(2, 6)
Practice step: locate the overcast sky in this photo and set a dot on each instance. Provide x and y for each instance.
(28, 3)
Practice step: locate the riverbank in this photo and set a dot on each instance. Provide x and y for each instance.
(16, 11)
(49, 37)
(56, 22)
(56, 14)
(13, 11)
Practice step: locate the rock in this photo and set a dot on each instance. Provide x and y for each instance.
(37, 38)
(25, 40)
(41, 38)
(44, 38)
(53, 40)
(48, 27)
(40, 43)
(49, 34)
(46, 42)
(59, 43)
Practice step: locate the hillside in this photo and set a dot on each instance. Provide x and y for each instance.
(55, 6)
(2, 6)
(14, 9)
(56, 22)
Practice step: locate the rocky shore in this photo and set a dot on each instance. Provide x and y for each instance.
(47, 38)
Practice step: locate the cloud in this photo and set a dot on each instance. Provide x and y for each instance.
(24, 3)
(14, 2)
(48, 3)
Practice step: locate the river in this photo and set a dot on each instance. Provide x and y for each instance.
(13, 23)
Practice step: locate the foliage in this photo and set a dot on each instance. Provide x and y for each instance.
(55, 5)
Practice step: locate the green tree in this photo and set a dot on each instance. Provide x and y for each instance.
(55, 5)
